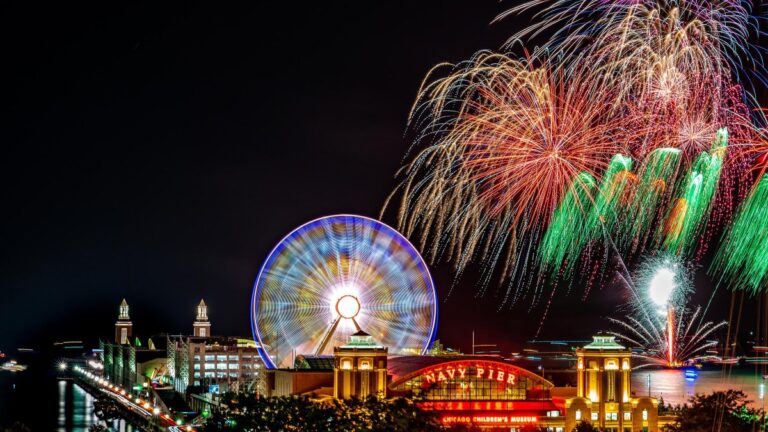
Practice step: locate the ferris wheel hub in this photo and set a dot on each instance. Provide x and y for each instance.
(348, 306)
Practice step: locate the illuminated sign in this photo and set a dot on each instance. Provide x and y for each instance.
(517, 406)
(490, 371)
(489, 419)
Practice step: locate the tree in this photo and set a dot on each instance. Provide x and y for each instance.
(584, 426)
(247, 412)
(725, 411)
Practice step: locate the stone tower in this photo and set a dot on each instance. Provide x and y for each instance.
(201, 326)
(123, 326)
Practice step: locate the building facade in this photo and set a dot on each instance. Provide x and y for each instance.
(360, 368)
(213, 364)
(488, 392)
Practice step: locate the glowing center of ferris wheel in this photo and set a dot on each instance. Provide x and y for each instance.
(348, 306)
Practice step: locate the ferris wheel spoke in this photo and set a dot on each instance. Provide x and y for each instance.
(337, 275)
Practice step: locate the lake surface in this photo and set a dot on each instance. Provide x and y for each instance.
(43, 403)
(40, 401)
(675, 389)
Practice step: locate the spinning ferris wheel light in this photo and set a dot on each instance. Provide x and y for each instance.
(337, 275)
(347, 306)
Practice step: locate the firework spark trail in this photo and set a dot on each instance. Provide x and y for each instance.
(649, 335)
(571, 227)
(742, 258)
(506, 166)
(610, 29)
(690, 212)
(507, 143)
(657, 173)
(664, 341)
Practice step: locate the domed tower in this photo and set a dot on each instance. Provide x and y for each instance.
(202, 327)
(123, 326)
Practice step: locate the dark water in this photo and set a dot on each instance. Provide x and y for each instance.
(675, 389)
(42, 402)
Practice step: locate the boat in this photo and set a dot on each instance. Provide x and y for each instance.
(13, 366)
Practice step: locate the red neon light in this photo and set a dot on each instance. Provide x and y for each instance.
(492, 371)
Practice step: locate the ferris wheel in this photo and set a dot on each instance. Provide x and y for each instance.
(335, 276)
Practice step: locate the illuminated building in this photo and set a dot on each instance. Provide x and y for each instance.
(486, 391)
(213, 364)
(360, 368)
(604, 393)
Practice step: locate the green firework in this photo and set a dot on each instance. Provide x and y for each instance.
(657, 175)
(689, 213)
(584, 214)
(571, 226)
(742, 259)
(612, 197)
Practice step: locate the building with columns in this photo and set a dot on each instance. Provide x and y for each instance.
(604, 392)
(360, 368)
(484, 391)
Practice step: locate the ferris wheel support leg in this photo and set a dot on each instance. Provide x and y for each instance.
(327, 337)
(357, 326)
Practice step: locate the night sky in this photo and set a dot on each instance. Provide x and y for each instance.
(158, 150)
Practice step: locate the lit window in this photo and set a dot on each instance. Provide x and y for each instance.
(197, 374)
(221, 358)
(197, 358)
(209, 374)
(346, 364)
(594, 416)
(221, 366)
(365, 364)
(233, 365)
(611, 416)
(197, 366)
(210, 366)
(611, 364)
(202, 332)
(210, 358)
(627, 415)
(645, 414)
(233, 358)
(578, 415)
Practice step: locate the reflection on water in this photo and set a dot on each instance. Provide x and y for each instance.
(674, 388)
(75, 413)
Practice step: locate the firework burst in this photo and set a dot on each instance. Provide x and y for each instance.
(660, 324)
(507, 142)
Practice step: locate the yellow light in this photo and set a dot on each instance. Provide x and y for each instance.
(593, 396)
(348, 306)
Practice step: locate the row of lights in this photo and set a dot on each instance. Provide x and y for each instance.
(120, 391)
